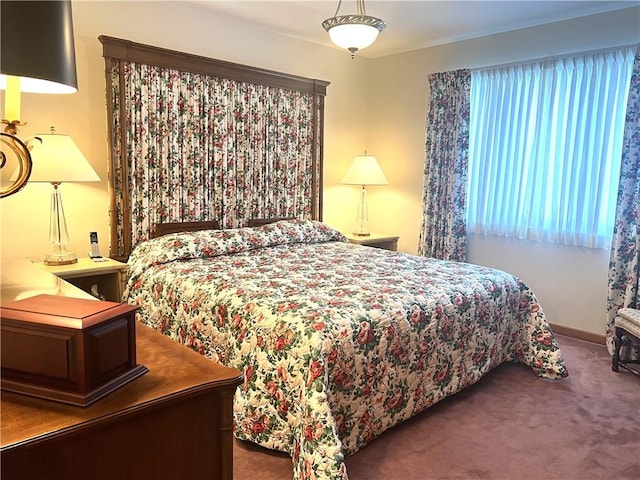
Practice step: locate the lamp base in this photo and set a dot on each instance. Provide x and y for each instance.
(60, 258)
(359, 234)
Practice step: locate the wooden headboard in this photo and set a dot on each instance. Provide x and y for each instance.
(141, 139)
(258, 222)
(177, 227)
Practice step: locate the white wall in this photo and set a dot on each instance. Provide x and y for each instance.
(571, 283)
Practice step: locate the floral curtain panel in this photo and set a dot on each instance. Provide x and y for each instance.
(624, 266)
(443, 232)
(201, 148)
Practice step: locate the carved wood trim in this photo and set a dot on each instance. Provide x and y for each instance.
(162, 57)
(259, 222)
(177, 227)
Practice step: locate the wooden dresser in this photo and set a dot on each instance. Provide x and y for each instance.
(173, 422)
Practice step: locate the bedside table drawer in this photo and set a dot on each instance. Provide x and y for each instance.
(375, 240)
(109, 285)
(108, 275)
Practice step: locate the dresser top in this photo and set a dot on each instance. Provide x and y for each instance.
(175, 371)
(22, 279)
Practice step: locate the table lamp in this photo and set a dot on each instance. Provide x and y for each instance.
(57, 159)
(37, 55)
(364, 170)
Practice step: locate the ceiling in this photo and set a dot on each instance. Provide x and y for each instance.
(410, 24)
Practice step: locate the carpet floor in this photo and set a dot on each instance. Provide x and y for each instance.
(511, 425)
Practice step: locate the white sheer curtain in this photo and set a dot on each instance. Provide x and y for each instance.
(545, 148)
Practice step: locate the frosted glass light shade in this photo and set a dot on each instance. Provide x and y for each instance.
(353, 36)
(56, 159)
(364, 170)
(353, 32)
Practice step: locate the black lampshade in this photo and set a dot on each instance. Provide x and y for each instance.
(36, 44)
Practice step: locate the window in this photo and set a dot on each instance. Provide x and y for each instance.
(545, 148)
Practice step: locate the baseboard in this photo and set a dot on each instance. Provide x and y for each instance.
(580, 334)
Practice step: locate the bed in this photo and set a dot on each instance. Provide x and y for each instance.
(337, 342)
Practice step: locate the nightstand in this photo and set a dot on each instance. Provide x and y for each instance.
(376, 240)
(109, 275)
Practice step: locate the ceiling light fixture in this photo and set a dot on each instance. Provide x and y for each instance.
(353, 32)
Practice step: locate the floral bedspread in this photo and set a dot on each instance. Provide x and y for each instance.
(337, 342)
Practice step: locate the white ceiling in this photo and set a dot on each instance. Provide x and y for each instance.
(410, 24)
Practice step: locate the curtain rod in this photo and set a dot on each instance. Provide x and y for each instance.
(555, 57)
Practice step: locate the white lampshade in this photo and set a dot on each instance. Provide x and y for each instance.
(364, 170)
(56, 159)
(353, 36)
